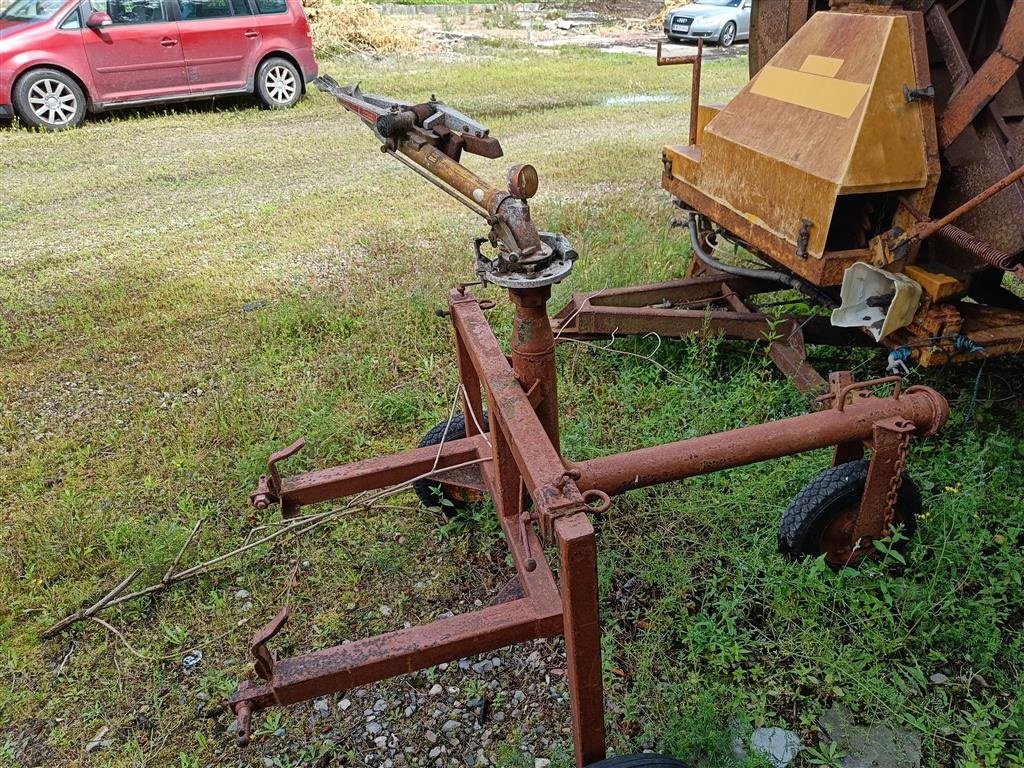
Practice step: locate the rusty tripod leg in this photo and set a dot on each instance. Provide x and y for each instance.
(533, 361)
(533, 355)
(578, 552)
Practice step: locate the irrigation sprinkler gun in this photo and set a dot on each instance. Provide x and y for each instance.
(510, 451)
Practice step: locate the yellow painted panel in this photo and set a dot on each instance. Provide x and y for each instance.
(822, 94)
(826, 66)
(937, 286)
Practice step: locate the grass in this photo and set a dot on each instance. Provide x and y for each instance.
(185, 290)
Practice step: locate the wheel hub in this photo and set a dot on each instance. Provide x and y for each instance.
(836, 539)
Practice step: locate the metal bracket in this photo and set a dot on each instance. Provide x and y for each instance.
(854, 449)
(268, 488)
(263, 659)
(840, 398)
(803, 238)
(918, 94)
(885, 474)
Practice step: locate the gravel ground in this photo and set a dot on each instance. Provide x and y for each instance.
(451, 715)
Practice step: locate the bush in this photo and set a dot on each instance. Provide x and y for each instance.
(353, 26)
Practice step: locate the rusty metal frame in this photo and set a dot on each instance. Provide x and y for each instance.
(711, 305)
(520, 460)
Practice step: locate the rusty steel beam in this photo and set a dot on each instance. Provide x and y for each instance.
(510, 410)
(922, 406)
(642, 309)
(380, 472)
(577, 551)
(371, 659)
(977, 90)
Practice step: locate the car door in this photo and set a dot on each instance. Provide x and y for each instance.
(138, 55)
(220, 40)
(275, 19)
(743, 19)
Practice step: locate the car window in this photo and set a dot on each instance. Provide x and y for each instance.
(31, 10)
(204, 9)
(131, 11)
(241, 7)
(271, 6)
(73, 21)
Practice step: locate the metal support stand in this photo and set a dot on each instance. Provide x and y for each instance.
(519, 455)
(539, 496)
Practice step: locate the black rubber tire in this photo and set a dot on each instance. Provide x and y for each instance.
(639, 761)
(23, 108)
(426, 489)
(829, 494)
(264, 89)
(725, 40)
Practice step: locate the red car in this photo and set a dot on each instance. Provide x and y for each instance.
(61, 59)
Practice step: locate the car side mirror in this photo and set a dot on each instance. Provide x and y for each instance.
(98, 19)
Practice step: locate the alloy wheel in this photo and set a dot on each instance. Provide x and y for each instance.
(281, 84)
(52, 101)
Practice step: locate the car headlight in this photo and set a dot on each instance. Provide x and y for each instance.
(709, 24)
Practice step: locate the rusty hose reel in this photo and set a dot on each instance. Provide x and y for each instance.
(517, 458)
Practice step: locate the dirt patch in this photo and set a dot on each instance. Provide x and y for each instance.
(623, 9)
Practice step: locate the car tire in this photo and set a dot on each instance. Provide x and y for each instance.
(728, 35)
(646, 760)
(278, 83)
(49, 99)
(431, 492)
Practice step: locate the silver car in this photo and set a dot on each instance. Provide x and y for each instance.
(721, 21)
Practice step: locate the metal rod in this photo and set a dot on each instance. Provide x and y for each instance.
(668, 61)
(466, 201)
(929, 229)
(695, 92)
(748, 445)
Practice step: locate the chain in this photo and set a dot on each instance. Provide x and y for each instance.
(894, 483)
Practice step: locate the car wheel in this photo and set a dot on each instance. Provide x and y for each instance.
(728, 35)
(49, 99)
(820, 519)
(278, 84)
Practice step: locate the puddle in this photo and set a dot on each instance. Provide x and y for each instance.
(639, 98)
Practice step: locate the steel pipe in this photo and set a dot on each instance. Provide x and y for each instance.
(923, 406)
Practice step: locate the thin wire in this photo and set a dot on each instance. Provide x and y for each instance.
(447, 424)
(480, 429)
(579, 309)
(969, 416)
(671, 374)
